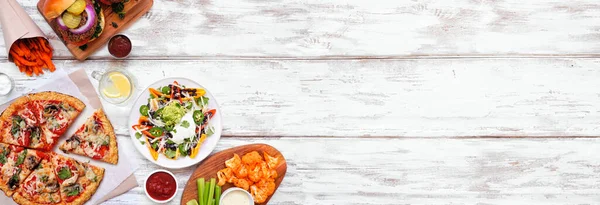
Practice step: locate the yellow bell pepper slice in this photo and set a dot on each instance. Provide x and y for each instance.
(197, 148)
(152, 151)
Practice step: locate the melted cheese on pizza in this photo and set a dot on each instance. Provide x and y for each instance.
(49, 135)
(89, 139)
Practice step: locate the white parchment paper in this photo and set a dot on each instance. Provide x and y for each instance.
(114, 175)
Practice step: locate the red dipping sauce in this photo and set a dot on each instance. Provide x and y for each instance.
(119, 46)
(161, 186)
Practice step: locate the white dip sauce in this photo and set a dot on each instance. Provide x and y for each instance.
(5, 84)
(236, 197)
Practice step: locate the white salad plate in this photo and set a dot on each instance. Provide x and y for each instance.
(207, 146)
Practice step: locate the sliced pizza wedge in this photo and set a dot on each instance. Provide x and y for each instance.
(20, 163)
(78, 181)
(20, 125)
(41, 186)
(95, 139)
(55, 113)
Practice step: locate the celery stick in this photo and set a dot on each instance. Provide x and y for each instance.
(200, 183)
(207, 186)
(211, 192)
(217, 194)
(211, 201)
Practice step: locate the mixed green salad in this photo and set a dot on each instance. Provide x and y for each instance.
(175, 121)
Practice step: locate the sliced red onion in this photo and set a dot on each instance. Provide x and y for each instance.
(89, 24)
(61, 23)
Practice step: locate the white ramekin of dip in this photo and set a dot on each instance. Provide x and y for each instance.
(236, 196)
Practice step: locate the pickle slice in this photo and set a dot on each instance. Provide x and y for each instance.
(77, 7)
(71, 21)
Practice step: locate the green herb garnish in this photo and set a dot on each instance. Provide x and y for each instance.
(3, 156)
(202, 101)
(170, 153)
(44, 178)
(155, 145)
(21, 158)
(182, 149)
(64, 173)
(185, 124)
(98, 31)
(210, 131)
(118, 9)
(73, 192)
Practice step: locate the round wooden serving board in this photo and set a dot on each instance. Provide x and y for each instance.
(212, 164)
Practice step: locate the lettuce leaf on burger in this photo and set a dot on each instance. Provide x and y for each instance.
(77, 22)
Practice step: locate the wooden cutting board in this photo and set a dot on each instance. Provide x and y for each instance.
(209, 167)
(134, 9)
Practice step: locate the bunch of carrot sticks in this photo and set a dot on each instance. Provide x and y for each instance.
(31, 55)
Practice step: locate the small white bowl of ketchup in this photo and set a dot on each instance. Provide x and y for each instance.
(161, 186)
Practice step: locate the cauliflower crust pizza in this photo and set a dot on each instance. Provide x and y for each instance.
(41, 187)
(37, 120)
(95, 139)
(78, 181)
(32, 174)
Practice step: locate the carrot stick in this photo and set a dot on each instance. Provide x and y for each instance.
(45, 45)
(31, 44)
(25, 62)
(25, 51)
(38, 57)
(46, 58)
(39, 70)
(17, 50)
(22, 46)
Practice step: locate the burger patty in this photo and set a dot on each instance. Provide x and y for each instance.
(71, 37)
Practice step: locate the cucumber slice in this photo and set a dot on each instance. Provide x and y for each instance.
(77, 7)
(192, 202)
(71, 21)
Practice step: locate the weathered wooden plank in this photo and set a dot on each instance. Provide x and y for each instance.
(420, 171)
(418, 97)
(292, 28)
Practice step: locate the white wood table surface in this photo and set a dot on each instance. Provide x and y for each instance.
(384, 102)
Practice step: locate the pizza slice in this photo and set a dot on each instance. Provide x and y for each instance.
(55, 113)
(19, 164)
(5, 151)
(20, 125)
(78, 181)
(95, 139)
(40, 187)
